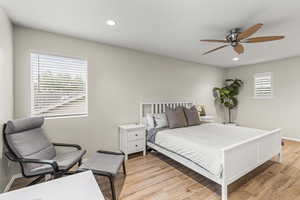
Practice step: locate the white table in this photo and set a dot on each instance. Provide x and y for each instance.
(81, 186)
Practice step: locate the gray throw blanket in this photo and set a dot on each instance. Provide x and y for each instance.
(151, 134)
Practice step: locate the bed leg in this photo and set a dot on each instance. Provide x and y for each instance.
(224, 192)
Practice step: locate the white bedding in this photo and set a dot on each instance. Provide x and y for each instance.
(202, 144)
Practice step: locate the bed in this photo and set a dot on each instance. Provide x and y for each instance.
(214, 150)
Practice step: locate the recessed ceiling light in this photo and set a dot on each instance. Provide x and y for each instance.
(110, 22)
(235, 59)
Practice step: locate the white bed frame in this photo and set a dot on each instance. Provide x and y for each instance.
(237, 160)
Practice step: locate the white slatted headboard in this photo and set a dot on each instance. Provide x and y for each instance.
(160, 107)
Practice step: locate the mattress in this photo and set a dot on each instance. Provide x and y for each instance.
(203, 144)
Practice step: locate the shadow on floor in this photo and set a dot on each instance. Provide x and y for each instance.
(209, 184)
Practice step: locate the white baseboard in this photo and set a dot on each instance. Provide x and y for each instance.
(11, 181)
(292, 139)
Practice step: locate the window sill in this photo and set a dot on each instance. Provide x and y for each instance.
(261, 98)
(67, 117)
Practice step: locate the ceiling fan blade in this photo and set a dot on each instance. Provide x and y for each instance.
(223, 41)
(263, 39)
(215, 49)
(250, 31)
(239, 48)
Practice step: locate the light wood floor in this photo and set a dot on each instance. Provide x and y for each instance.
(155, 177)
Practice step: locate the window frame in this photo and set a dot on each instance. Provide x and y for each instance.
(32, 85)
(261, 74)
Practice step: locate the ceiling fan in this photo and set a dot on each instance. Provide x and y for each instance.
(236, 37)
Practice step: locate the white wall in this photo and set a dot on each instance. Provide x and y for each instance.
(118, 78)
(6, 85)
(283, 110)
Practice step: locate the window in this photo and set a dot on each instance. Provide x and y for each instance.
(263, 87)
(59, 86)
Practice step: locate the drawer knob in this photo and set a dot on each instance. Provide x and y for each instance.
(136, 145)
(136, 134)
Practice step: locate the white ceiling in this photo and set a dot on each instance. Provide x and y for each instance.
(168, 27)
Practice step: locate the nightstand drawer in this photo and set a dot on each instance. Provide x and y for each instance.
(136, 135)
(136, 145)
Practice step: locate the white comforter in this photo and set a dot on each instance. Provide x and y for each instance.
(202, 144)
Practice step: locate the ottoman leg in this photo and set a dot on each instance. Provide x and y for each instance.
(113, 192)
(124, 168)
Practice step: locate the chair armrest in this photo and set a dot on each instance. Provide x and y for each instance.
(67, 145)
(110, 152)
(52, 163)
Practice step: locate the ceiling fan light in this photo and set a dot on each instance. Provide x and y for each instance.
(111, 22)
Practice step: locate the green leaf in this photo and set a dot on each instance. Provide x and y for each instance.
(227, 94)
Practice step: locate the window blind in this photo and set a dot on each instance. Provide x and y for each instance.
(59, 86)
(263, 85)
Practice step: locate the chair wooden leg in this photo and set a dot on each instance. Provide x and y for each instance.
(35, 181)
(124, 168)
(113, 192)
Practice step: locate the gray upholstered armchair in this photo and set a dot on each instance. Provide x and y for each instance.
(29, 146)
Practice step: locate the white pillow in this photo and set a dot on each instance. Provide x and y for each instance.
(156, 120)
(160, 120)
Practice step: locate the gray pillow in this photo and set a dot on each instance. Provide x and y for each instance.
(192, 116)
(176, 117)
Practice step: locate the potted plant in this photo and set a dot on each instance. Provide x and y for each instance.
(227, 95)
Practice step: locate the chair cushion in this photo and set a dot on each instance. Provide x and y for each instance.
(102, 162)
(65, 161)
(26, 138)
(24, 124)
(31, 144)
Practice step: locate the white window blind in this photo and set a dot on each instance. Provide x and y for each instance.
(59, 86)
(263, 87)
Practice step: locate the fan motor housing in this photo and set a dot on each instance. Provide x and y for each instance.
(232, 37)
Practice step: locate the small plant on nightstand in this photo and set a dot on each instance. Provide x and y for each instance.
(227, 95)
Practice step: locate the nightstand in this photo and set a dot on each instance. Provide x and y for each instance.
(132, 139)
(207, 118)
